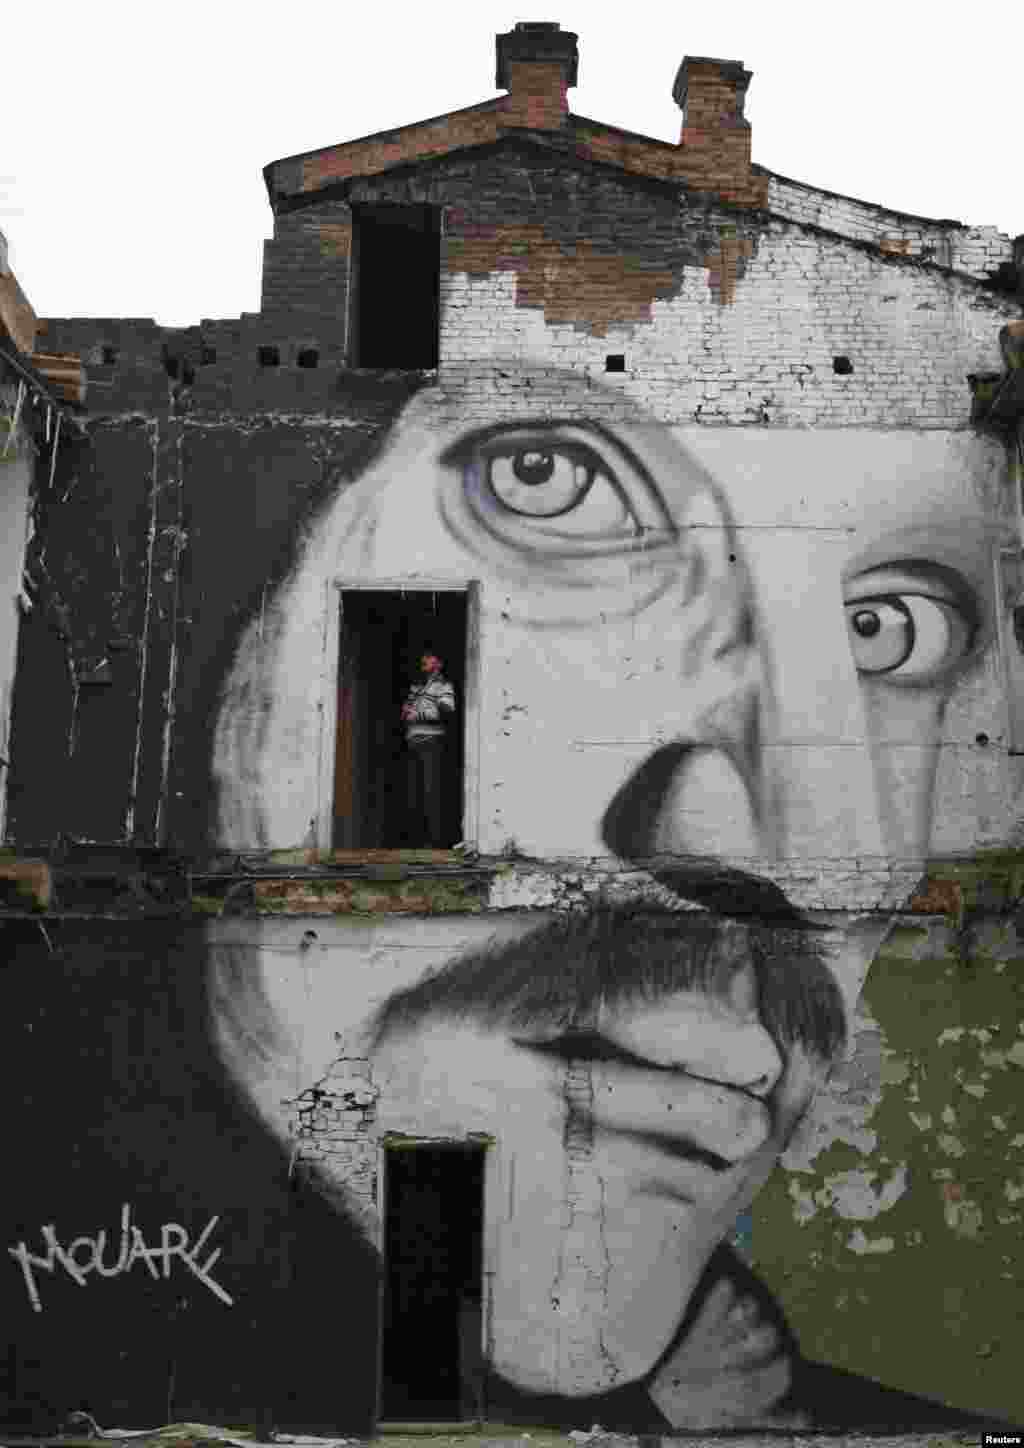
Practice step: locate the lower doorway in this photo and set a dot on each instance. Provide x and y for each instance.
(379, 800)
(432, 1344)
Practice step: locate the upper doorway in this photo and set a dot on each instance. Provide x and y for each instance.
(379, 800)
(396, 277)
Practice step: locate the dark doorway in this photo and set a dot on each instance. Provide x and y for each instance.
(378, 801)
(431, 1357)
(396, 270)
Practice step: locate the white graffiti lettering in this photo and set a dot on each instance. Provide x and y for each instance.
(86, 1254)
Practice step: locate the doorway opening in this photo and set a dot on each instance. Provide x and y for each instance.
(432, 1342)
(396, 281)
(387, 795)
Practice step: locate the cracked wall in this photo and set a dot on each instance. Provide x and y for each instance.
(740, 669)
(617, 694)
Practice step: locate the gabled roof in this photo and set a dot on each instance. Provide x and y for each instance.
(543, 146)
(295, 180)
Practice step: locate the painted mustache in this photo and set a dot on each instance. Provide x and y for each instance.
(559, 977)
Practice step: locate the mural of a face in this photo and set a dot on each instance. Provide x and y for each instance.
(734, 653)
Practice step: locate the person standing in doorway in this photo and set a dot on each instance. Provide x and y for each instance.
(428, 707)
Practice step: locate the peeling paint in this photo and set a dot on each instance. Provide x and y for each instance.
(843, 1107)
(963, 1216)
(864, 1245)
(804, 1207)
(852, 1195)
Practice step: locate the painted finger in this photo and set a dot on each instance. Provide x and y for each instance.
(717, 1119)
(679, 1170)
(701, 1037)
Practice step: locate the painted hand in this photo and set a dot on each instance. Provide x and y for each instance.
(679, 1108)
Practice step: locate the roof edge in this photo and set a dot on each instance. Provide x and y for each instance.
(490, 105)
(538, 141)
(872, 205)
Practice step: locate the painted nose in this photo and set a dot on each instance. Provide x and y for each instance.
(634, 828)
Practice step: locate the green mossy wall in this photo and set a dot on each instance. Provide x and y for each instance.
(929, 1289)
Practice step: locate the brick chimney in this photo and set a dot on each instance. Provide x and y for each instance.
(536, 64)
(715, 136)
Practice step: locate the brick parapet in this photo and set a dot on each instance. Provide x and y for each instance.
(976, 251)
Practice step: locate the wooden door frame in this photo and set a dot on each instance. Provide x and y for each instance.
(336, 590)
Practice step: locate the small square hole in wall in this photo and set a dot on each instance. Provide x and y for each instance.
(109, 356)
(842, 365)
(269, 356)
(307, 357)
(615, 362)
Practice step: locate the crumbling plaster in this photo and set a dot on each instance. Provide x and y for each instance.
(899, 1198)
(811, 338)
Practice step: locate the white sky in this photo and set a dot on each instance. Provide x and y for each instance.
(134, 134)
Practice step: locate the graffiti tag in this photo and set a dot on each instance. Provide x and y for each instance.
(85, 1255)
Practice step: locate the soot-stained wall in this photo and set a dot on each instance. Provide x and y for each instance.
(151, 1234)
(738, 612)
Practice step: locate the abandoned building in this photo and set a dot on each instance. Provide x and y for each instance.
(512, 782)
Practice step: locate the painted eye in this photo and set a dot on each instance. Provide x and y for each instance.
(554, 486)
(907, 636)
(540, 484)
(558, 508)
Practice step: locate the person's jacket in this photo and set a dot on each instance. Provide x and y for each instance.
(428, 703)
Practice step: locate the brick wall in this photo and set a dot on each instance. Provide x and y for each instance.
(760, 348)
(978, 251)
(720, 319)
(306, 266)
